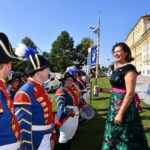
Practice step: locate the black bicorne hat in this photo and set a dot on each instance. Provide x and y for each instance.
(6, 52)
(35, 63)
(67, 75)
(81, 72)
(12, 76)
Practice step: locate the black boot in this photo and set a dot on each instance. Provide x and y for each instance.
(62, 146)
(69, 143)
(65, 146)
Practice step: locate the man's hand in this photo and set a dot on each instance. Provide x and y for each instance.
(52, 142)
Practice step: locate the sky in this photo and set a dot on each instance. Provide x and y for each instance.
(44, 20)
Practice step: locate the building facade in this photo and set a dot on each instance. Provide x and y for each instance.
(138, 40)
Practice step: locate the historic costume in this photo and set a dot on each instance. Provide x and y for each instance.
(79, 87)
(13, 83)
(128, 135)
(33, 109)
(12, 91)
(66, 119)
(9, 128)
(82, 85)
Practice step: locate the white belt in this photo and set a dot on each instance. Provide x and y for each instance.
(83, 90)
(41, 128)
(13, 146)
(75, 108)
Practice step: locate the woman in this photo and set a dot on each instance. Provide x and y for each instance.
(68, 113)
(123, 129)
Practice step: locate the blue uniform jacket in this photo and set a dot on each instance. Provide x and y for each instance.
(65, 97)
(32, 107)
(9, 128)
(12, 91)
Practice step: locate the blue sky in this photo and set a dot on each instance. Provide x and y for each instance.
(43, 21)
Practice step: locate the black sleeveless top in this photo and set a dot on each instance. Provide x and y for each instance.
(117, 78)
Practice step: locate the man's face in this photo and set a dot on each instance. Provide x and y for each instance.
(7, 68)
(68, 82)
(44, 74)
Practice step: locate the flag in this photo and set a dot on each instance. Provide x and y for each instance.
(89, 57)
(93, 56)
(94, 29)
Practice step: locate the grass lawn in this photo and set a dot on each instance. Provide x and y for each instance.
(89, 135)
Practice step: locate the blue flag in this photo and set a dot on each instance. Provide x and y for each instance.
(93, 56)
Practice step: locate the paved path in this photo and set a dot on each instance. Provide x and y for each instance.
(141, 88)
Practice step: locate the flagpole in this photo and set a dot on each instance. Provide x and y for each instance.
(97, 53)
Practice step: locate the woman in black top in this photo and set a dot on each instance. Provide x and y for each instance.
(124, 128)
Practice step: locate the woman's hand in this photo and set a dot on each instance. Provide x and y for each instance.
(118, 119)
(96, 88)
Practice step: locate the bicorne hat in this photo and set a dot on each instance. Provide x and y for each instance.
(67, 75)
(6, 52)
(35, 63)
(12, 76)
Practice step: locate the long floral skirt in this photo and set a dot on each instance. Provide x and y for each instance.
(129, 135)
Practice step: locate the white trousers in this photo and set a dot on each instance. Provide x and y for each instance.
(45, 144)
(13, 146)
(68, 129)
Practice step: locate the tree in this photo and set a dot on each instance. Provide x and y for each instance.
(45, 54)
(112, 67)
(19, 66)
(28, 42)
(62, 53)
(82, 50)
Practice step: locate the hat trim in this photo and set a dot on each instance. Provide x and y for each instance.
(37, 59)
(6, 51)
(34, 66)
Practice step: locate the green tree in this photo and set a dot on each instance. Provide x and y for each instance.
(82, 50)
(62, 53)
(28, 42)
(45, 54)
(112, 67)
(19, 66)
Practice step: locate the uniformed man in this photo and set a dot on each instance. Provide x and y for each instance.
(9, 128)
(13, 83)
(68, 112)
(33, 107)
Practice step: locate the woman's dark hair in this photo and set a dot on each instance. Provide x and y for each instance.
(126, 49)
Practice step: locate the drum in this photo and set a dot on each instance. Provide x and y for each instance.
(87, 113)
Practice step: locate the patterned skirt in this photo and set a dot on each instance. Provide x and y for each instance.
(129, 135)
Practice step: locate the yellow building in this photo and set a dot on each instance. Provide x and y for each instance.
(138, 40)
